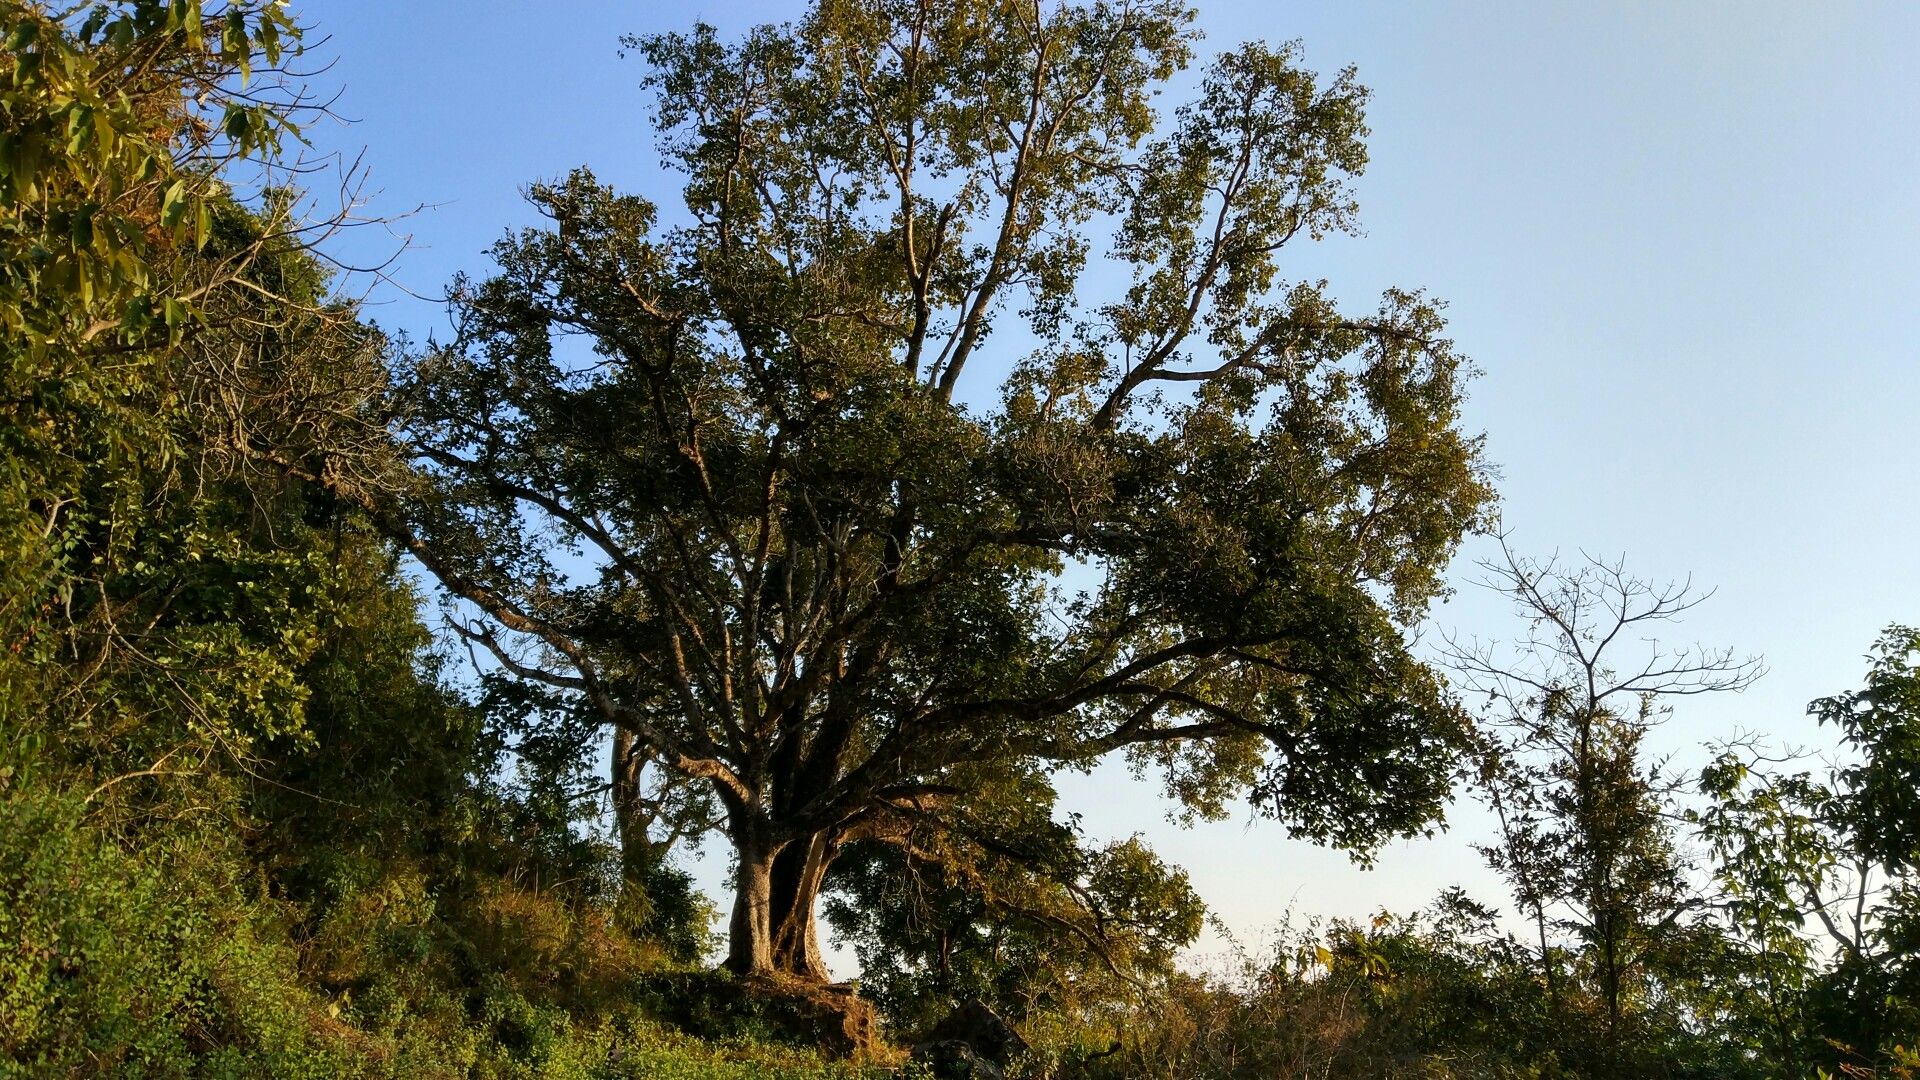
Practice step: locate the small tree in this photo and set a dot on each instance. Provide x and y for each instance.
(828, 571)
(1820, 874)
(1587, 824)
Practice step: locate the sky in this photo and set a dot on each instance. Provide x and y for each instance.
(1681, 242)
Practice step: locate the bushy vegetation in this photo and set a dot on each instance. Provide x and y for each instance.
(256, 819)
(247, 828)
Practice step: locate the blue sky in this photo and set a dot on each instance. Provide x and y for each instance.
(1681, 241)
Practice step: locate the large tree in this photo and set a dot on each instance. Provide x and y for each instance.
(871, 472)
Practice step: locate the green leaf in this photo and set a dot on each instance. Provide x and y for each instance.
(26, 166)
(238, 123)
(23, 35)
(268, 35)
(202, 224)
(26, 67)
(95, 21)
(103, 133)
(173, 207)
(233, 36)
(79, 127)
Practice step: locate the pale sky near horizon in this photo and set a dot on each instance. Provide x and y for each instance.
(1680, 240)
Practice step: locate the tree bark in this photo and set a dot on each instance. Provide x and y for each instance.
(750, 933)
(797, 873)
(773, 930)
(637, 853)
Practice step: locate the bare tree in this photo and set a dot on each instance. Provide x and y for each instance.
(1586, 841)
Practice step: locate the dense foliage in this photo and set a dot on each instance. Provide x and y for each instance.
(842, 580)
(832, 603)
(245, 828)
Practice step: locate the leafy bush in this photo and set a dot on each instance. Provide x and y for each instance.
(140, 963)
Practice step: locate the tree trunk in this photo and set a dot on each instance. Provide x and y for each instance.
(797, 873)
(637, 854)
(774, 929)
(750, 933)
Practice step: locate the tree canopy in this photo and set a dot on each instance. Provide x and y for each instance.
(960, 429)
(965, 417)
